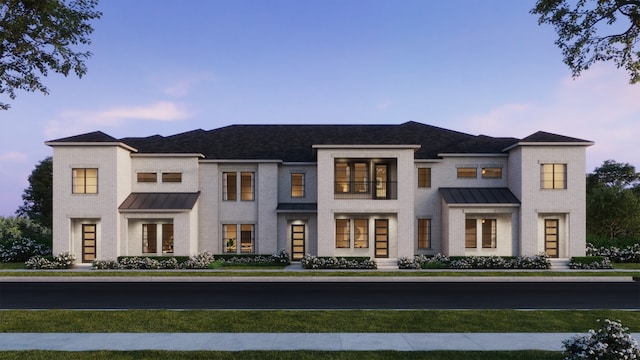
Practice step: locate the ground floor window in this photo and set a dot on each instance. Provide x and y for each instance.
(361, 233)
(246, 239)
(471, 234)
(149, 238)
(489, 233)
(424, 233)
(343, 239)
(167, 238)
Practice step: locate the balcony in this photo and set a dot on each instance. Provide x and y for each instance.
(366, 190)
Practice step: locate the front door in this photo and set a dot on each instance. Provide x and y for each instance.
(88, 242)
(297, 242)
(382, 238)
(551, 234)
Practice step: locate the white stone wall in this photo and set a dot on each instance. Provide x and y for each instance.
(187, 166)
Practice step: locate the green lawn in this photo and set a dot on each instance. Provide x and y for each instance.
(627, 266)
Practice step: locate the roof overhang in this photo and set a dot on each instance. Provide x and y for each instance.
(535, 143)
(502, 197)
(161, 155)
(297, 208)
(473, 155)
(415, 147)
(119, 144)
(159, 202)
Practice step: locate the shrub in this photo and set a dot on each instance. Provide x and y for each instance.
(63, 260)
(610, 342)
(440, 261)
(21, 250)
(314, 262)
(590, 262)
(279, 258)
(199, 261)
(630, 253)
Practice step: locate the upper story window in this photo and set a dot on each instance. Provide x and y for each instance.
(553, 176)
(247, 186)
(147, 177)
(84, 181)
(467, 172)
(424, 233)
(352, 177)
(492, 172)
(297, 185)
(424, 177)
(230, 186)
(174, 177)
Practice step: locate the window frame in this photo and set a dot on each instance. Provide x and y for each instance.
(424, 233)
(489, 231)
(343, 238)
(79, 182)
(229, 243)
(230, 186)
(172, 177)
(491, 172)
(460, 172)
(424, 177)
(147, 177)
(149, 245)
(352, 176)
(364, 243)
(247, 191)
(297, 185)
(553, 183)
(471, 234)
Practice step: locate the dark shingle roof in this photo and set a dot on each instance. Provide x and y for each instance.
(96, 136)
(478, 196)
(159, 201)
(297, 207)
(542, 136)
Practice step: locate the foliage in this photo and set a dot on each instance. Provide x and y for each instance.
(14, 229)
(440, 261)
(314, 262)
(199, 261)
(41, 36)
(610, 342)
(22, 249)
(590, 262)
(578, 25)
(38, 197)
(628, 254)
(63, 260)
(279, 258)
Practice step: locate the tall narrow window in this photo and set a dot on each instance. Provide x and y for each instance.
(424, 233)
(342, 233)
(167, 238)
(297, 185)
(470, 234)
(246, 238)
(489, 233)
(171, 177)
(229, 186)
(247, 188)
(361, 233)
(361, 177)
(149, 238)
(424, 177)
(553, 176)
(343, 177)
(230, 238)
(84, 181)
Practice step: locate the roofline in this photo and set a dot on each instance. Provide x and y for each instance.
(482, 205)
(168, 155)
(352, 146)
(473, 155)
(244, 161)
(549, 143)
(119, 144)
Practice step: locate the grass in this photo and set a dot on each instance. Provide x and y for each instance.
(282, 355)
(11, 266)
(283, 321)
(627, 266)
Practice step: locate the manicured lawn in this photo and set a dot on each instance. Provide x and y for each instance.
(310, 321)
(282, 355)
(11, 266)
(627, 266)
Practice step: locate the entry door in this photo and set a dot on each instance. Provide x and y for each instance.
(88, 242)
(382, 238)
(297, 242)
(551, 235)
(381, 181)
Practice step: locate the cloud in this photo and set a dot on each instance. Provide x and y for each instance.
(13, 156)
(183, 86)
(384, 105)
(74, 122)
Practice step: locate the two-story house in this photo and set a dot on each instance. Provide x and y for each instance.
(384, 191)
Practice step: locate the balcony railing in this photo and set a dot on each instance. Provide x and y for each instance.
(366, 190)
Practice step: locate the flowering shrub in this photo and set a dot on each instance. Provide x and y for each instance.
(626, 254)
(279, 258)
(540, 261)
(314, 262)
(199, 261)
(590, 262)
(63, 260)
(610, 342)
(22, 249)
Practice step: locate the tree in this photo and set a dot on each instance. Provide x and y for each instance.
(38, 197)
(38, 36)
(614, 175)
(583, 43)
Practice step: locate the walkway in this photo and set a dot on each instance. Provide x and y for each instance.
(284, 341)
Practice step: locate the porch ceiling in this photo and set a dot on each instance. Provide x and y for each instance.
(478, 196)
(159, 201)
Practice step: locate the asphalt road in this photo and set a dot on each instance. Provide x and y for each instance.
(320, 295)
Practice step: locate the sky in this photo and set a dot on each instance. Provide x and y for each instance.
(170, 66)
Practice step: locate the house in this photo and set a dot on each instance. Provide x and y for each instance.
(384, 191)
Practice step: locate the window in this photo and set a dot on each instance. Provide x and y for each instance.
(489, 233)
(149, 238)
(342, 233)
(171, 177)
(343, 178)
(424, 233)
(147, 177)
(361, 177)
(361, 233)
(167, 238)
(424, 177)
(246, 238)
(467, 172)
(297, 185)
(553, 176)
(491, 173)
(229, 186)
(246, 186)
(352, 177)
(230, 237)
(470, 234)
(84, 181)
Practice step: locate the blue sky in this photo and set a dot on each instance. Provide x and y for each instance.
(164, 67)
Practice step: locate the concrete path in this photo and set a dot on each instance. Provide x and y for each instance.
(284, 341)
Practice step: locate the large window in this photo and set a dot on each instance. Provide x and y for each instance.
(361, 233)
(229, 186)
(467, 172)
(489, 233)
(351, 177)
(424, 233)
(84, 181)
(149, 238)
(342, 233)
(553, 176)
(233, 243)
(424, 177)
(471, 234)
(247, 186)
(297, 185)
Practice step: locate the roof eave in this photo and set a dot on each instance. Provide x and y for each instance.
(119, 144)
(549, 143)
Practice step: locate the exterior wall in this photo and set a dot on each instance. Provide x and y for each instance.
(311, 182)
(187, 166)
(286, 220)
(209, 229)
(267, 197)
(537, 203)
